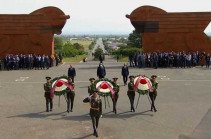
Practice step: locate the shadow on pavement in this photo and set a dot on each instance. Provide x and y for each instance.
(86, 136)
(84, 117)
(127, 114)
(42, 114)
(123, 115)
(202, 130)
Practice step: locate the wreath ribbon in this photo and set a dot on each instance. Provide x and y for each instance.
(138, 82)
(54, 87)
(109, 86)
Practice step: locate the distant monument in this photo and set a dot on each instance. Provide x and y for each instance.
(31, 33)
(166, 32)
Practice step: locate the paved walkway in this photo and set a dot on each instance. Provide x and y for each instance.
(183, 102)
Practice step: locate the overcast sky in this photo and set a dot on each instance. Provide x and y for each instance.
(101, 16)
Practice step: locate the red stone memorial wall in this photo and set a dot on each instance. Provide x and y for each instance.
(31, 33)
(166, 32)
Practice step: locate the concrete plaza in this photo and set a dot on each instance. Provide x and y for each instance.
(183, 100)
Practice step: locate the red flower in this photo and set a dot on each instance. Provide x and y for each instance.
(143, 81)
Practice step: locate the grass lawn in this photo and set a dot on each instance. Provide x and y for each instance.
(122, 59)
(74, 59)
(84, 43)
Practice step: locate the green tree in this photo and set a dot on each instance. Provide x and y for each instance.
(78, 46)
(58, 43)
(135, 40)
(91, 46)
(98, 52)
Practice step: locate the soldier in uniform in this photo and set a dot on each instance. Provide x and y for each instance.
(70, 96)
(131, 92)
(154, 93)
(47, 88)
(91, 88)
(95, 110)
(116, 89)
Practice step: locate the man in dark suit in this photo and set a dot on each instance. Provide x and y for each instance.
(101, 72)
(71, 73)
(125, 73)
(101, 58)
(207, 58)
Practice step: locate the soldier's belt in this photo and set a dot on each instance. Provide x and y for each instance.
(97, 109)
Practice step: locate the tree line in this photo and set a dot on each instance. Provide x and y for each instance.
(67, 49)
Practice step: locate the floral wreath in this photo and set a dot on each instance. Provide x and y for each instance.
(104, 87)
(60, 86)
(142, 84)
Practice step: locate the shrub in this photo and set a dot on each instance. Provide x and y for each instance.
(127, 51)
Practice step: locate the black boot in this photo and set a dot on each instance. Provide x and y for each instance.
(96, 134)
(47, 108)
(155, 109)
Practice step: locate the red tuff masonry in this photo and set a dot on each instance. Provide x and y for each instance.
(166, 32)
(31, 33)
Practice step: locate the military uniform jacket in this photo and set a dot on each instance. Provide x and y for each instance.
(47, 88)
(96, 106)
(71, 91)
(155, 87)
(131, 87)
(91, 89)
(116, 89)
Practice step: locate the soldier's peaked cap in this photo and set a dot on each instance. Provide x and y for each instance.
(115, 78)
(47, 78)
(91, 79)
(154, 76)
(131, 76)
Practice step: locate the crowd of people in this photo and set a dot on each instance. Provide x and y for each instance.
(171, 59)
(29, 61)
